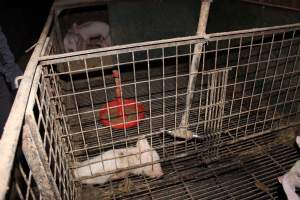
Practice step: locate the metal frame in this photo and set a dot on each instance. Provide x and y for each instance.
(26, 97)
(33, 148)
(232, 135)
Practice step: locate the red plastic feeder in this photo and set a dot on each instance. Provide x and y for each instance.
(122, 114)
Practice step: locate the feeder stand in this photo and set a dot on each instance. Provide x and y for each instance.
(121, 113)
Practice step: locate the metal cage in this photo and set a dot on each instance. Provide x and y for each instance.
(243, 112)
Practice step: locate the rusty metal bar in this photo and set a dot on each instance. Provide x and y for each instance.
(195, 62)
(48, 59)
(290, 5)
(32, 146)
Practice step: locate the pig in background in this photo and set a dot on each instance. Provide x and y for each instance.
(79, 37)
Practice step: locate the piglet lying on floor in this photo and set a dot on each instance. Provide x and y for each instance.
(116, 159)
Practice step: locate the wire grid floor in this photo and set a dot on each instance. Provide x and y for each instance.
(249, 173)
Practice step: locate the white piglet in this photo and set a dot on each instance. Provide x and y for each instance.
(291, 179)
(146, 154)
(88, 30)
(116, 159)
(74, 42)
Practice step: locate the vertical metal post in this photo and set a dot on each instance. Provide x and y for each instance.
(58, 32)
(36, 157)
(205, 5)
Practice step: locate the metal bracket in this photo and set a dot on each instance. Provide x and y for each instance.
(32, 47)
(17, 79)
(184, 135)
(206, 37)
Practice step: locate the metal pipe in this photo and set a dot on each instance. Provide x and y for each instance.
(92, 53)
(12, 129)
(283, 5)
(32, 146)
(195, 62)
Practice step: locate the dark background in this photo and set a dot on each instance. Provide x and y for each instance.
(22, 22)
(142, 20)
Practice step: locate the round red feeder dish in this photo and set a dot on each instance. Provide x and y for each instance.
(116, 120)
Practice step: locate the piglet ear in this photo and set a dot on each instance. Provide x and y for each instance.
(142, 144)
(280, 178)
(75, 27)
(298, 141)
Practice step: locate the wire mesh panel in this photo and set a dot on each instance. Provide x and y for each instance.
(247, 85)
(23, 185)
(263, 89)
(210, 108)
(47, 131)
